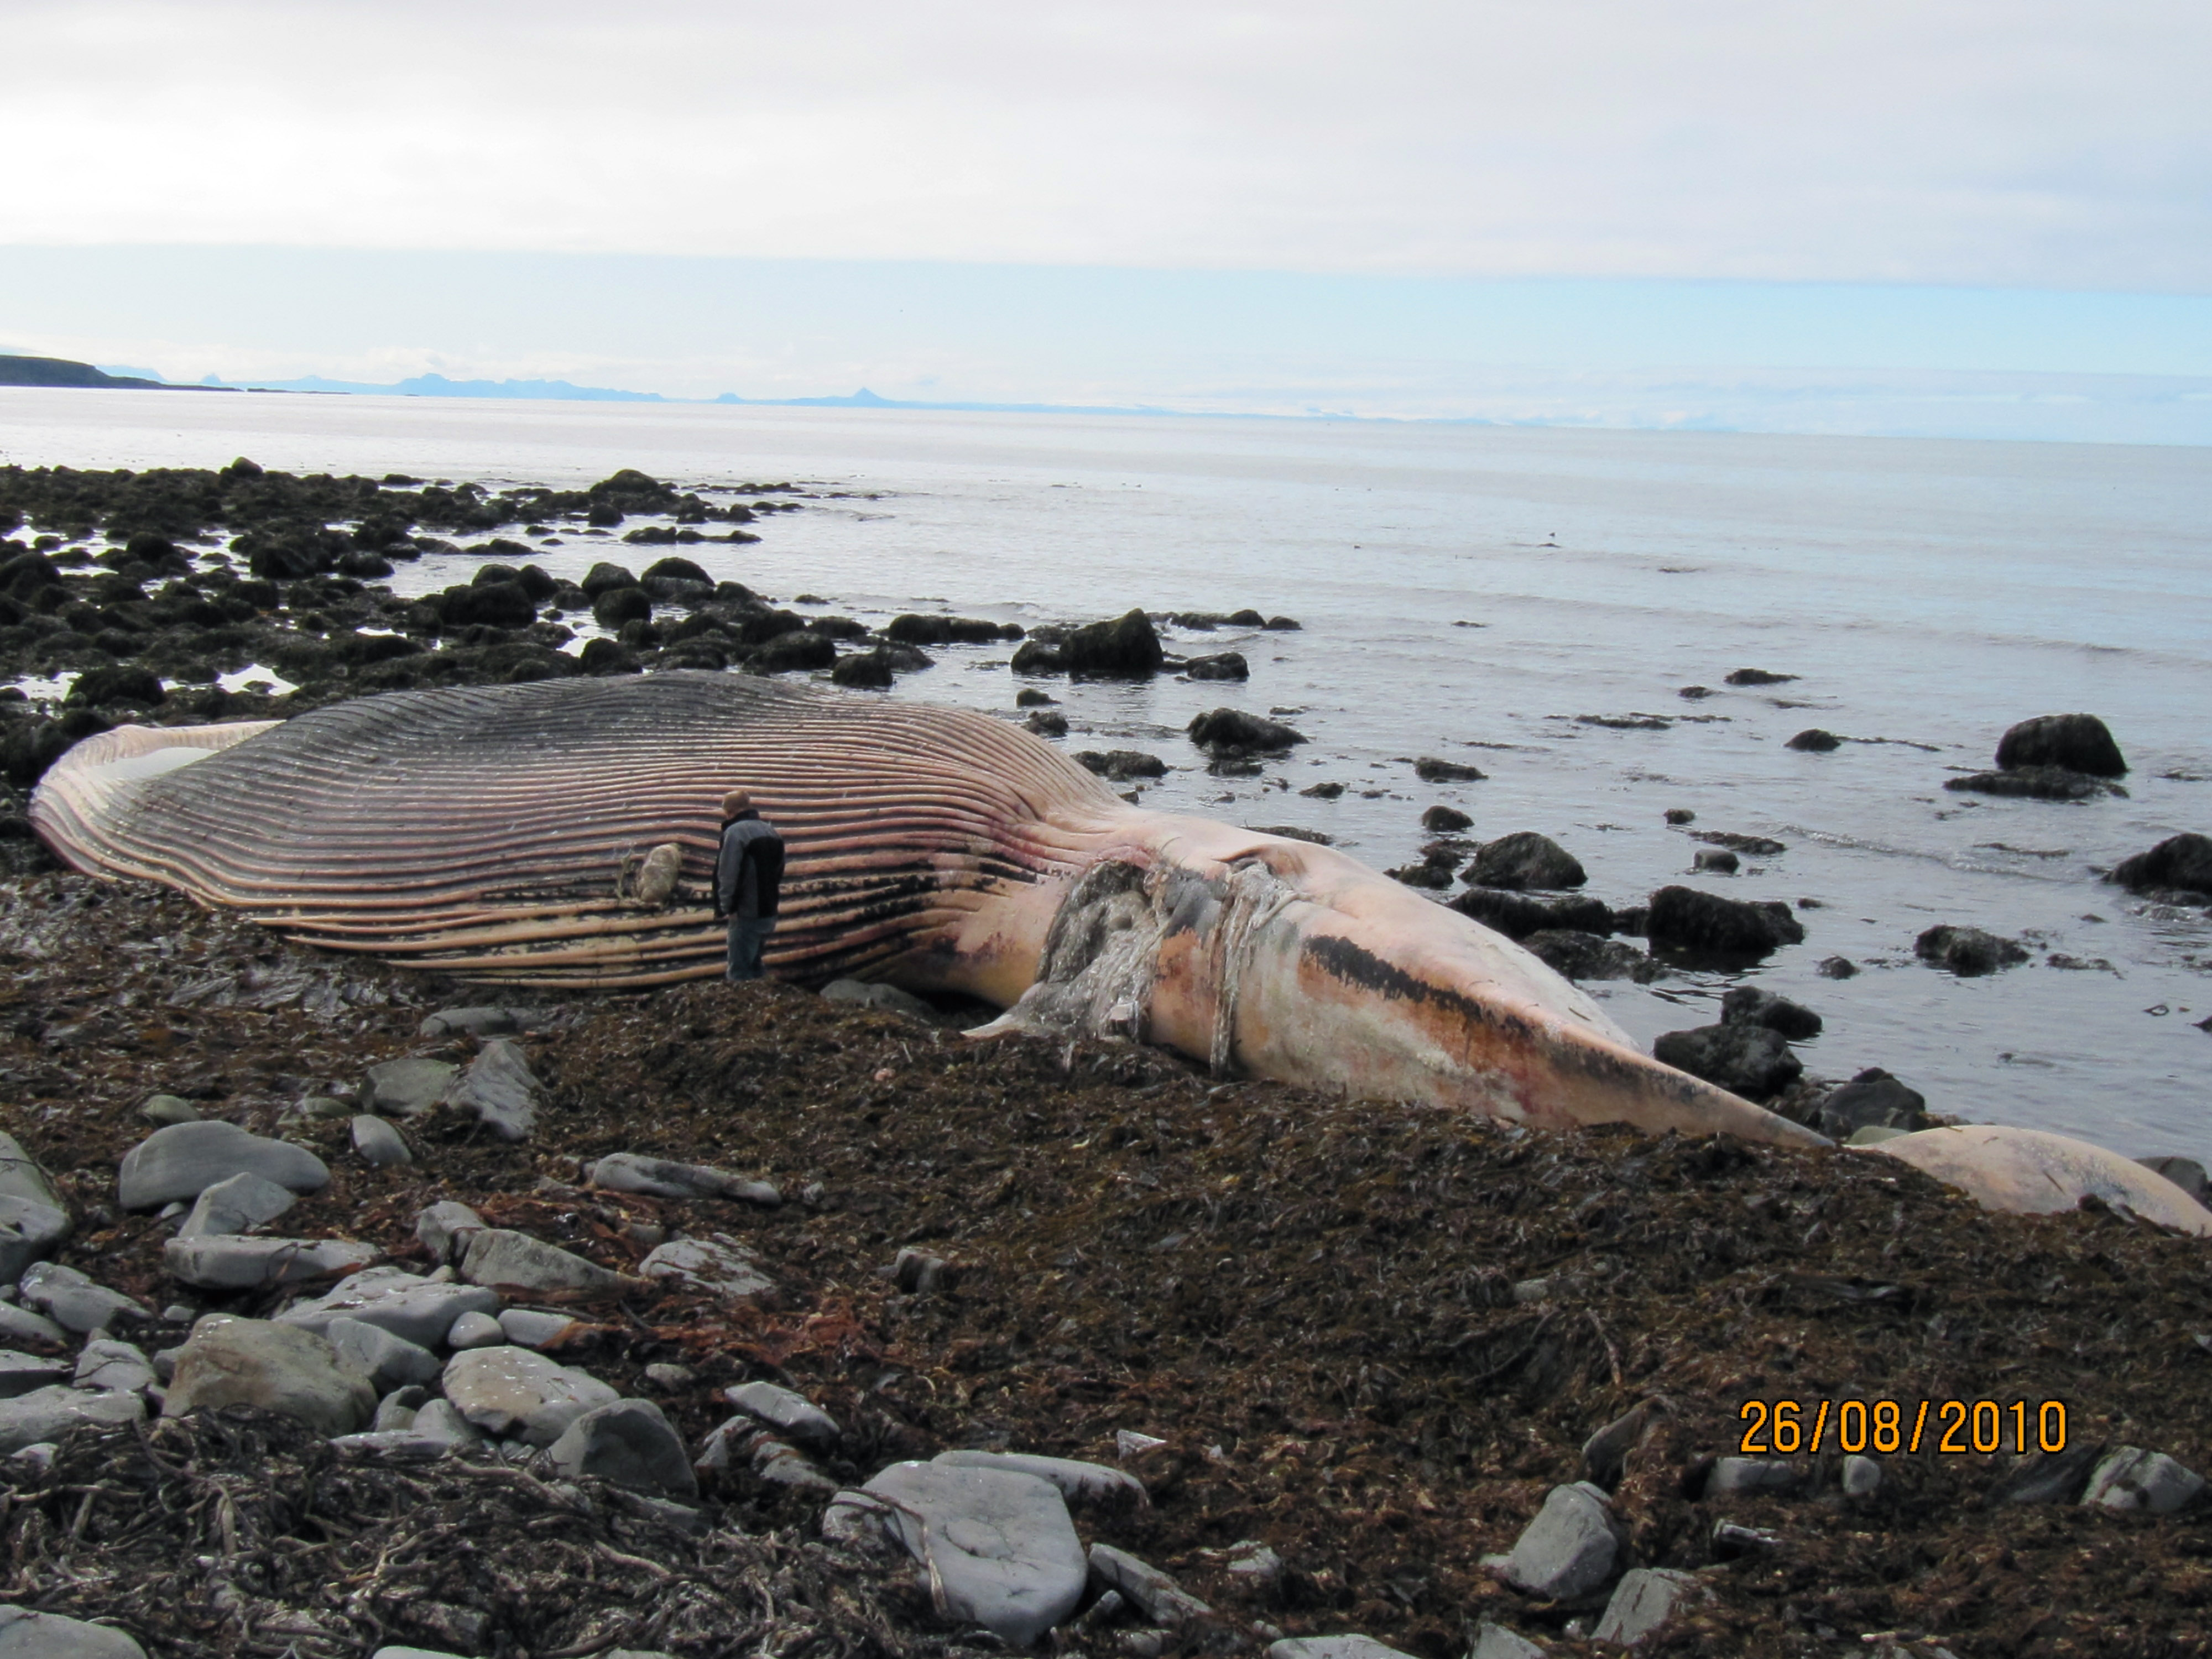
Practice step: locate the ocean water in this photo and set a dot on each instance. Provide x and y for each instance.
(1471, 592)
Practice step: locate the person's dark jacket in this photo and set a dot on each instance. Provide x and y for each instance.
(750, 869)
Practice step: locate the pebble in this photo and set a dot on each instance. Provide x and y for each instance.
(21, 1324)
(1250, 1558)
(2130, 1478)
(885, 999)
(669, 1378)
(919, 1274)
(1644, 1599)
(408, 1087)
(500, 1256)
(1741, 1474)
(1154, 1594)
(1569, 1549)
(475, 1330)
(443, 1228)
(1861, 1477)
(388, 1362)
(162, 1111)
(184, 1160)
(718, 1264)
(1129, 1442)
(238, 1205)
(628, 1444)
(1336, 1647)
(790, 1414)
(510, 1390)
(72, 1301)
(478, 1022)
(1495, 1642)
(47, 1413)
(26, 1634)
(499, 1089)
(1605, 1452)
(527, 1328)
(1717, 860)
(227, 1262)
(1001, 1550)
(421, 1310)
(1084, 1486)
(280, 1368)
(442, 1421)
(657, 1178)
(115, 1367)
(378, 1143)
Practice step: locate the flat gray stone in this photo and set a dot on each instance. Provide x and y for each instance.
(512, 1392)
(29, 1231)
(529, 1328)
(21, 1324)
(659, 1177)
(26, 1634)
(1861, 1477)
(184, 1160)
(1741, 1474)
(999, 1544)
(230, 1261)
(72, 1301)
(791, 1414)
(50, 1412)
(1569, 1549)
(1331, 1647)
(413, 1653)
(377, 1143)
(236, 1206)
(440, 1420)
(2130, 1478)
(392, 1445)
(21, 1176)
(1084, 1486)
(162, 1111)
(885, 998)
(20, 1373)
(517, 1262)
(280, 1368)
(1643, 1602)
(628, 1444)
(1495, 1642)
(498, 1090)
(388, 1362)
(114, 1367)
(422, 1310)
(444, 1228)
(408, 1087)
(1154, 1594)
(477, 1022)
(718, 1264)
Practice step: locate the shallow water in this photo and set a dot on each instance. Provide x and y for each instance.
(1927, 593)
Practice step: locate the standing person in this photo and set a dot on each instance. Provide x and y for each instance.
(746, 876)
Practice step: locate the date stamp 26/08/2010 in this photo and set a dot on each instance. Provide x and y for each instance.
(1950, 1427)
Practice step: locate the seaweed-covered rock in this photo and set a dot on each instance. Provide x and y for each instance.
(1443, 820)
(1035, 656)
(911, 629)
(1125, 648)
(2035, 783)
(1516, 916)
(2180, 863)
(1813, 740)
(1685, 920)
(862, 670)
(1525, 860)
(1223, 665)
(618, 606)
(1967, 951)
(1746, 1060)
(1579, 955)
(1120, 765)
(1748, 1005)
(2077, 743)
(1233, 731)
(1873, 1099)
(1432, 768)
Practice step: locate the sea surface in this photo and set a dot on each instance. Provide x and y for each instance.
(1473, 593)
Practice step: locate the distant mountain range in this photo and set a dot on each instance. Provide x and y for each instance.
(60, 371)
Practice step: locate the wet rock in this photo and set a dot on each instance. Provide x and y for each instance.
(1222, 666)
(1815, 741)
(1837, 968)
(1525, 860)
(443, 1228)
(408, 1087)
(1873, 1099)
(2178, 863)
(793, 652)
(1432, 768)
(1578, 955)
(1749, 1060)
(789, 1414)
(183, 1160)
(1716, 860)
(421, 1310)
(1048, 723)
(1441, 820)
(1227, 731)
(628, 1444)
(1040, 656)
(2035, 783)
(388, 1362)
(1323, 791)
(475, 1330)
(73, 1300)
(229, 1261)
(1516, 916)
(236, 1206)
(1569, 1549)
(1642, 1602)
(498, 1090)
(2079, 742)
(1862, 1476)
(887, 999)
(162, 1111)
(1749, 1474)
(1085, 1486)
(1967, 951)
(1030, 697)
(913, 629)
(1121, 765)
(517, 1262)
(1153, 1593)
(378, 1143)
(2186, 1173)
(27, 1633)
(1127, 648)
(1759, 677)
(2130, 1478)
(660, 1177)
(862, 670)
(1685, 920)
(512, 1393)
(717, 1264)
(999, 1545)
(1747, 1004)
(2048, 1477)
(277, 1367)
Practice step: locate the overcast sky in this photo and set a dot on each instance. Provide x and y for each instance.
(2032, 144)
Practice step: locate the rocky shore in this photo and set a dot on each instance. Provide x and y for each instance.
(692, 1322)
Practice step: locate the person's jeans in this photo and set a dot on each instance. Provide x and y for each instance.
(747, 935)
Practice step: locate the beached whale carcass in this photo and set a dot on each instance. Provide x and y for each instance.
(483, 831)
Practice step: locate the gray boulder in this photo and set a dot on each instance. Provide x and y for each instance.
(516, 1260)
(2180, 864)
(34, 1220)
(1873, 1099)
(717, 1264)
(26, 1634)
(21, 1324)
(238, 1205)
(791, 1414)
(1861, 1477)
(21, 1177)
(407, 1087)
(628, 1444)
(1154, 1594)
(1525, 860)
(444, 1228)
(885, 998)
(20, 1373)
(1642, 1603)
(73, 1301)
(659, 1177)
(1569, 1549)
(998, 1544)
(511, 1393)
(498, 1090)
(2130, 1478)
(1087, 1486)
(529, 1328)
(1745, 1475)
(229, 1261)
(279, 1368)
(184, 1160)
(1749, 1060)
(1493, 1642)
(46, 1414)
(475, 1330)
(162, 1111)
(393, 1299)
(2079, 742)
(378, 1143)
(1748, 1005)
(388, 1362)
(2186, 1173)
(1700, 924)
(481, 1022)
(114, 1367)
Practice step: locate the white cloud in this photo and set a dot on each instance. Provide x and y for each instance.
(2038, 142)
